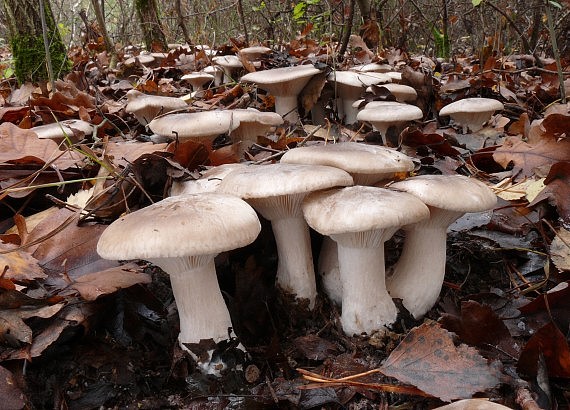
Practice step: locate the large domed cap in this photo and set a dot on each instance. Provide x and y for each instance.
(185, 225)
(195, 124)
(284, 80)
(262, 181)
(392, 113)
(358, 79)
(451, 192)
(361, 208)
(472, 112)
(247, 115)
(362, 161)
(145, 107)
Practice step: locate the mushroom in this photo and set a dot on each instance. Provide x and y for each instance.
(367, 164)
(252, 124)
(202, 124)
(217, 72)
(372, 67)
(254, 52)
(423, 257)
(473, 404)
(182, 235)
(145, 107)
(350, 86)
(402, 93)
(284, 84)
(276, 192)
(472, 113)
(197, 81)
(360, 219)
(208, 182)
(63, 130)
(230, 65)
(389, 115)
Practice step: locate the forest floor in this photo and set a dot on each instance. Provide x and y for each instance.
(78, 332)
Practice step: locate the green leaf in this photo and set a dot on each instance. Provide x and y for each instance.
(476, 2)
(8, 72)
(299, 11)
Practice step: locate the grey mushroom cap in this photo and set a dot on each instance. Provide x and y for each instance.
(260, 181)
(185, 225)
(361, 208)
(59, 130)
(390, 113)
(451, 192)
(145, 107)
(284, 80)
(472, 113)
(364, 162)
(195, 124)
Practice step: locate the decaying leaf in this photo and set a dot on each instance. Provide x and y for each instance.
(19, 146)
(552, 344)
(95, 284)
(12, 326)
(527, 158)
(560, 249)
(12, 396)
(21, 265)
(557, 190)
(428, 359)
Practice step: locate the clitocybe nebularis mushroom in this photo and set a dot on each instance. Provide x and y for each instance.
(471, 113)
(276, 192)
(284, 84)
(367, 164)
(360, 219)
(145, 106)
(391, 114)
(418, 275)
(182, 235)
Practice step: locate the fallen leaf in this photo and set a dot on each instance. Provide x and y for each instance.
(314, 347)
(478, 325)
(552, 344)
(12, 324)
(19, 146)
(12, 396)
(557, 190)
(560, 249)
(95, 284)
(428, 359)
(526, 157)
(21, 265)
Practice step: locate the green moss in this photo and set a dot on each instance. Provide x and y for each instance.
(30, 61)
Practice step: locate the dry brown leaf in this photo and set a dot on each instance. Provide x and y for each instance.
(428, 359)
(560, 249)
(19, 146)
(557, 190)
(12, 397)
(95, 284)
(12, 324)
(527, 158)
(128, 152)
(21, 265)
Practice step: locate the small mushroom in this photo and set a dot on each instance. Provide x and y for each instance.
(360, 219)
(230, 65)
(424, 253)
(382, 118)
(203, 124)
(197, 81)
(284, 84)
(62, 130)
(350, 86)
(252, 124)
(471, 113)
(276, 192)
(145, 107)
(182, 235)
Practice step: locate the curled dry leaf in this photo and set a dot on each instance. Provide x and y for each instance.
(557, 190)
(13, 328)
(19, 146)
(95, 284)
(21, 265)
(428, 359)
(560, 249)
(12, 397)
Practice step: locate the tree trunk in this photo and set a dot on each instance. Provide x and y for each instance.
(23, 18)
(109, 46)
(153, 34)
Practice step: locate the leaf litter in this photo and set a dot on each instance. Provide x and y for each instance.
(58, 297)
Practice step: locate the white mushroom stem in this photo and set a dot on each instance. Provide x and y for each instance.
(418, 275)
(295, 272)
(366, 305)
(286, 106)
(202, 310)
